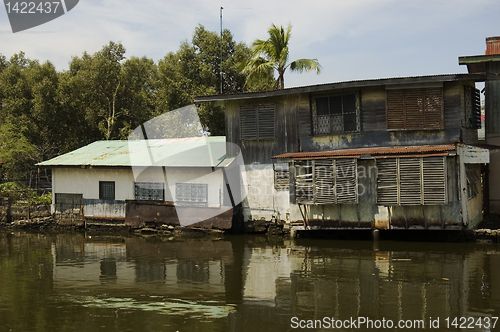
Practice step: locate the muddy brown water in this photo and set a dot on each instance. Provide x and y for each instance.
(90, 282)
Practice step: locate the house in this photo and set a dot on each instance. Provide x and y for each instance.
(182, 181)
(393, 153)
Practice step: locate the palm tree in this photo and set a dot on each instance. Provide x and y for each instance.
(272, 54)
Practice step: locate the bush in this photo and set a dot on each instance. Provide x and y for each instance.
(23, 195)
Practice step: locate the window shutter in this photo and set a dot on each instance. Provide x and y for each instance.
(434, 180)
(281, 177)
(433, 108)
(265, 116)
(410, 192)
(324, 182)
(472, 108)
(411, 181)
(346, 181)
(415, 109)
(387, 181)
(248, 122)
(257, 121)
(395, 110)
(304, 185)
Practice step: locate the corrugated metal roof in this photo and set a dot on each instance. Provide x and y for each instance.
(178, 152)
(375, 152)
(345, 85)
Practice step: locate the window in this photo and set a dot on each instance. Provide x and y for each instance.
(281, 177)
(411, 181)
(257, 121)
(149, 191)
(415, 109)
(106, 190)
(472, 108)
(191, 193)
(337, 114)
(326, 181)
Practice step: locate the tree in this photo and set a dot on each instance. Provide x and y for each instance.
(17, 154)
(272, 54)
(194, 70)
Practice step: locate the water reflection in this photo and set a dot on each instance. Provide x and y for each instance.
(78, 282)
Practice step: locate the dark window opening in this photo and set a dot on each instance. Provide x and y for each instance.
(149, 191)
(106, 190)
(337, 114)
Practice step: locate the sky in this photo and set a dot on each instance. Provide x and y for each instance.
(353, 40)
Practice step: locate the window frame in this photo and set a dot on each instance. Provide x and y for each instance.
(342, 114)
(103, 192)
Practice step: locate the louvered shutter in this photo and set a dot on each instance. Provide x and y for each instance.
(346, 181)
(324, 182)
(304, 185)
(248, 122)
(415, 109)
(434, 180)
(433, 109)
(265, 116)
(387, 181)
(410, 181)
(395, 110)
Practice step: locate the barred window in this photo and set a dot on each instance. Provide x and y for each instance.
(106, 190)
(337, 114)
(149, 191)
(326, 181)
(194, 193)
(415, 109)
(411, 181)
(257, 121)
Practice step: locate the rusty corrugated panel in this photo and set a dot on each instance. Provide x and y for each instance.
(493, 45)
(378, 151)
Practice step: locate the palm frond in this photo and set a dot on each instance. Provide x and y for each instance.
(302, 65)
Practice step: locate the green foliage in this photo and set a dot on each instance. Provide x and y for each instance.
(45, 113)
(194, 70)
(272, 55)
(17, 154)
(23, 195)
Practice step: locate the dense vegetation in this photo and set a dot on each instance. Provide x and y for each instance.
(105, 95)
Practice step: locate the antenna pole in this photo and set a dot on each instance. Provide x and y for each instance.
(221, 46)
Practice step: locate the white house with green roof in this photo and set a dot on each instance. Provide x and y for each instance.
(181, 181)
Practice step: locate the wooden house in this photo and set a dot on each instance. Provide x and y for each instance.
(393, 153)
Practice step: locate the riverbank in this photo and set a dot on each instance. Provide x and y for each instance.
(482, 235)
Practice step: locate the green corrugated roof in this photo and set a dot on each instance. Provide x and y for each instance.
(176, 152)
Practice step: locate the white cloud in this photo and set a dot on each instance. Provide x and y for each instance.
(352, 39)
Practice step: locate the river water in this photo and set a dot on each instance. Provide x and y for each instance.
(90, 282)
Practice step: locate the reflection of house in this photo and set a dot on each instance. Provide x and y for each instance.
(167, 181)
(395, 153)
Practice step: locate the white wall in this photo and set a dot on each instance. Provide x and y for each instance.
(263, 201)
(86, 181)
